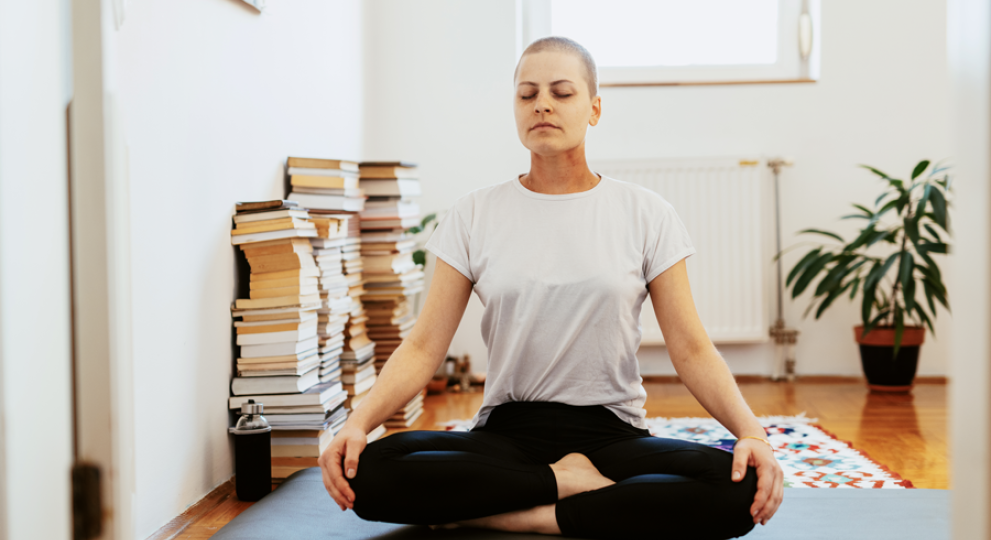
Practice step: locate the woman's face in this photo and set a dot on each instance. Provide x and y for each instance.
(553, 104)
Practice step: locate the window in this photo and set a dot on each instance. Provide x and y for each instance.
(670, 42)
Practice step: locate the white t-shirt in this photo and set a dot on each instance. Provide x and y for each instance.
(562, 279)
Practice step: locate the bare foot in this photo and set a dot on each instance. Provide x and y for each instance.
(540, 519)
(576, 474)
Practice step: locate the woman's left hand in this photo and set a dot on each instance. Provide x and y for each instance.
(770, 478)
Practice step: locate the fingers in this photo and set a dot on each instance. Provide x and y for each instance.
(328, 480)
(765, 486)
(770, 491)
(775, 500)
(352, 448)
(740, 459)
(351, 458)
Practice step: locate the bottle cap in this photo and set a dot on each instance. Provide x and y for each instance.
(252, 408)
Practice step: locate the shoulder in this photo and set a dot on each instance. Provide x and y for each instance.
(639, 198)
(468, 205)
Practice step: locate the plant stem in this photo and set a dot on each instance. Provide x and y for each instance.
(894, 290)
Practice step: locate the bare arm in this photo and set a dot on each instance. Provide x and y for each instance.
(709, 379)
(695, 358)
(408, 370)
(414, 363)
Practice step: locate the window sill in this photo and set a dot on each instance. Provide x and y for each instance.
(705, 83)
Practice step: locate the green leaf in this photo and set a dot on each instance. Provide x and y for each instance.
(870, 288)
(881, 197)
(939, 209)
(933, 232)
(920, 207)
(801, 264)
(905, 276)
(877, 236)
(874, 322)
(925, 318)
(810, 273)
(414, 230)
(932, 247)
(827, 233)
(832, 296)
(856, 283)
(932, 267)
(878, 272)
(902, 201)
(863, 209)
(909, 294)
(855, 216)
(420, 257)
(929, 295)
(860, 240)
(875, 171)
(835, 274)
(884, 209)
(939, 291)
(922, 166)
(896, 183)
(899, 330)
(912, 229)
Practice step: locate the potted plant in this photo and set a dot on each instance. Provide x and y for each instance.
(893, 319)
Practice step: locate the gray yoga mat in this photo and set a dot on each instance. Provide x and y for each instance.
(302, 510)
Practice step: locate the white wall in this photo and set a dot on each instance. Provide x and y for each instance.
(215, 96)
(35, 347)
(443, 98)
(969, 23)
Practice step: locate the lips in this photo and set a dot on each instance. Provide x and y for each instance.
(544, 124)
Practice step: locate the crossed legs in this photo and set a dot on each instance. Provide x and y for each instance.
(647, 485)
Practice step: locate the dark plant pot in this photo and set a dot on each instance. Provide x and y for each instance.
(884, 372)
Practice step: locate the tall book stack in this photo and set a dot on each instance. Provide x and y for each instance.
(329, 190)
(392, 278)
(279, 364)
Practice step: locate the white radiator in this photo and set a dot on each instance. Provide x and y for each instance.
(727, 206)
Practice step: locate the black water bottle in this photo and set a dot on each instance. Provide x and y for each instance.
(252, 453)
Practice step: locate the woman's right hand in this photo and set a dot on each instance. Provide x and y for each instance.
(345, 447)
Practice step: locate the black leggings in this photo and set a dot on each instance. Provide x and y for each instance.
(665, 488)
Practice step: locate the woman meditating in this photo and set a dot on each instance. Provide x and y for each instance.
(562, 259)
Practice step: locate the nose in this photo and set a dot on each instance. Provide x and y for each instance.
(542, 104)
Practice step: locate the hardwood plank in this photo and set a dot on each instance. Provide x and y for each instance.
(220, 496)
(907, 433)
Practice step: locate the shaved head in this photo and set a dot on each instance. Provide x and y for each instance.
(563, 44)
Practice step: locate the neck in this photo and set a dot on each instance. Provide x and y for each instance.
(567, 172)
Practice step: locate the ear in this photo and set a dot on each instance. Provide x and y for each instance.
(596, 110)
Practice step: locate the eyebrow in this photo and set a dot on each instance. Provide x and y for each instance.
(528, 83)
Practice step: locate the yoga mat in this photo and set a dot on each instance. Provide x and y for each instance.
(301, 509)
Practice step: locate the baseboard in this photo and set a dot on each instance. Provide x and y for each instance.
(215, 498)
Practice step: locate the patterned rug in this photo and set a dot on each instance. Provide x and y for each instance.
(810, 456)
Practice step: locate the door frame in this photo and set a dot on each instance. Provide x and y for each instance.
(101, 266)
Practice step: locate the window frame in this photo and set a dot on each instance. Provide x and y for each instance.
(534, 20)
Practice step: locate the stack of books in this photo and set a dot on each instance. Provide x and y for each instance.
(392, 277)
(329, 189)
(279, 364)
(335, 303)
(325, 184)
(404, 418)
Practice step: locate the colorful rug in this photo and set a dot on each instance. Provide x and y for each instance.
(810, 456)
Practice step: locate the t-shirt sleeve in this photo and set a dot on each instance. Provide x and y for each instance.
(666, 241)
(449, 242)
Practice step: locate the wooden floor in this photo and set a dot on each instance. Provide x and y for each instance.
(905, 432)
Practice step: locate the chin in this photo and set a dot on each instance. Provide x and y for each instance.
(548, 148)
